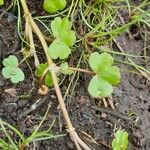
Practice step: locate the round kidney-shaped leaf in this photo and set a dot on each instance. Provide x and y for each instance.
(11, 61)
(53, 6)
(111, 75)
(99, 87)
(14, 73)
(61, 29)
(58, 49)
(99, 62)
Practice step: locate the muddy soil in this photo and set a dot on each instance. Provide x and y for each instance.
(131, 98)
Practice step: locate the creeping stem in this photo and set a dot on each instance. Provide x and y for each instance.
(74, 136)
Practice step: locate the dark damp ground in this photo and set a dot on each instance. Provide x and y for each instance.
(131, 96)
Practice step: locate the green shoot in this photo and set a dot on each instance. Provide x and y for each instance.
(120, 142)
(53, 6)
(11, 70)
(106, 75)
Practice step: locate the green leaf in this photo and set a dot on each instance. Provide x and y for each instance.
(39, 71)
(120, 142)
(58, 24)
(58, 49)
(53, 6)
(14, 73)
(48, 80)
(1, 2)
(111, 75)
(11, 61)
(18, 77)
(99, 62)
(64, 68)
(99, 87)
(61, 29)
(7, 72)
(11, 69)
(68, 37)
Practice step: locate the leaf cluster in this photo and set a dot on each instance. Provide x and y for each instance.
(64, 38)
(106, 75)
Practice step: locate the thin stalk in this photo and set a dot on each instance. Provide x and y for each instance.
(32, 48)
(60, 98)
(36, 30)
(82, 70)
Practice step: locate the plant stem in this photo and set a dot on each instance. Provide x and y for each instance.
(41, 38)
(32, 47)
(60, 98)
(36, 30)
(82, 70)
(52, 68)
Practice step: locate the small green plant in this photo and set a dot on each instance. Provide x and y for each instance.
(106, 75)
(1, 2)
(52, 6)
(11, 70)
(59, 48)
(64, 38)
(120, 142)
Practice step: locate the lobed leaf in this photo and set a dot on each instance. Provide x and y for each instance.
(14, 73)
(53, 6)
(61, 29)
(99, 62)
(111, 75)
(99, 87)
(106, 75)
(58, 49)
(11, 61)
